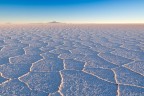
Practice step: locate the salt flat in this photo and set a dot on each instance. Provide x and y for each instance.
(71, 60)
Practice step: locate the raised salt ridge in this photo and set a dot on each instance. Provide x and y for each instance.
(71, 60)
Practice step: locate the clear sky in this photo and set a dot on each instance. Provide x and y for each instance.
(72, 11)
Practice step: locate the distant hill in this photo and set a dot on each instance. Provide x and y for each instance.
(54, 22)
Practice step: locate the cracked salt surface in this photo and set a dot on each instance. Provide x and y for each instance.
(71, 60)
(42, 81)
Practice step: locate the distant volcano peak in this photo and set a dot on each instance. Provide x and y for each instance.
(54, 22)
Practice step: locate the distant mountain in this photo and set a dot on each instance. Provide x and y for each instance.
(54, 22)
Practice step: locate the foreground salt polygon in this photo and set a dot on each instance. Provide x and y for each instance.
(71, 60)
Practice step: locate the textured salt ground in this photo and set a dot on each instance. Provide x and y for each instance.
(71, 60)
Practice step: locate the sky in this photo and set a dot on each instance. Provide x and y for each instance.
(72, 11)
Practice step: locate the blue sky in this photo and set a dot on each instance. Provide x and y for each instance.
(72, 11)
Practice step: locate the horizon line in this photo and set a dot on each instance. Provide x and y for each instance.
(70, 23)
(76, 23)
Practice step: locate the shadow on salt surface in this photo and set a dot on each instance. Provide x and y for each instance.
(78, 57)
(136, 66)
(59, 51)
(131, 91)
(78, 45)
(1, 43)
(55, 94)
(14, 88)
(34, 43)
(132, 47)
(47, 65)
(99, 48)
(42, 81)
(70, 64)
(84, 51)
(87, 43)
(104, 74)
(38, 93)
(126, 76)
(68, 43)
(4, 60)
(54, 44)
(65, 47)
(8, 52)
(115, 59)
(11, 41)
(12, 49)
(48, 55)
(104, 42)
(24, 59)
(2, 79)
(78, 83)
(14, 70)
(46, 48)
(94, 61)
(32, 51)
(0, 47)
(25, 38)
(134, 55)
(16, 45)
